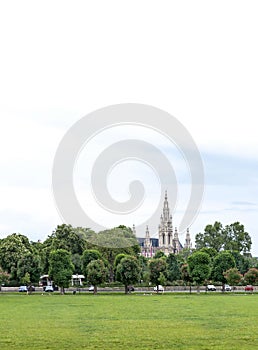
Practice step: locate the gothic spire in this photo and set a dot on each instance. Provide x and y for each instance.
(166, 208)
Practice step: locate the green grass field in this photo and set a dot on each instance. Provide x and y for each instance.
(174, 321)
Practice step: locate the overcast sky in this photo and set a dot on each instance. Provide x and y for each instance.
(61, 60)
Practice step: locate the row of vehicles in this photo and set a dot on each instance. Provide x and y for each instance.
(227, 288)
(32, 289)
(160, 288)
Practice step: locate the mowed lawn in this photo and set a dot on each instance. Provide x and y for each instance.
(165, 321)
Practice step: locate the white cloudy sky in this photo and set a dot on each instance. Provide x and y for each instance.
(61, 60)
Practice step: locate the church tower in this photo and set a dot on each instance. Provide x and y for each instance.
(166, 229)
(188, 244)
(168, 240)
(147, 244)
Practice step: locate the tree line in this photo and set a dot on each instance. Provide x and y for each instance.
(114, 256)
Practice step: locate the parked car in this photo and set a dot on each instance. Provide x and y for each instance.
(227, 288)
(91, 289)
(49, 289)
(160, 288)
(23, 289)
(211, 287)
(249, 288)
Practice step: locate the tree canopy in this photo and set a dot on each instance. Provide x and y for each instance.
(233, 238)
(61, 268)
(128, 271)
(222, 262)
(199, 267)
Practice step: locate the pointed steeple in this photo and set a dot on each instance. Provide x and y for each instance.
(166, 214)
(147, 241)
(188, 243)
(147, 231)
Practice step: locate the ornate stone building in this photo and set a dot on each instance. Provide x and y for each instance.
(168, 241)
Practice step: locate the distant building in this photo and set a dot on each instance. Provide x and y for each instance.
(168, 241)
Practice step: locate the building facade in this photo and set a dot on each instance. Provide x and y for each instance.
(167, 241)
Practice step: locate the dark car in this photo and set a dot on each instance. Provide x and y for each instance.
(249, 288)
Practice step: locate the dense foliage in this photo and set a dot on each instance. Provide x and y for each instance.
(221, 255)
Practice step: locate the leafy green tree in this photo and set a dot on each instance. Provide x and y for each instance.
(61, 268)
(88, 256)
(143, 263)
(128, 271)
(29, 263)
(118, 258)
(243, 263)
(74, 240)
(118, 240)
(222, 262)
(186, 277)
(157, 267)
(210, 251)
(233, 238)
(97, 273)
(199, 267)
(251, 277)
(212, 237)
(233, 276)
(12, 249)
(237, 239)
(173, 270)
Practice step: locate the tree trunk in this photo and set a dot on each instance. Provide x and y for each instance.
(190, 289)
(126, 289)
(95, 290)
(198, 289)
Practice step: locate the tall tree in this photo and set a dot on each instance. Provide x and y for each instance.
(158, 269)
(233, 238)
(186, 277)
(199, 267)
(222, 262)
(118, 240)
(212, 237)
(173, 270)
(128, 271)
(13, 248)
(237, 239)
(29, 263)
(61, 268)
(97, 273)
